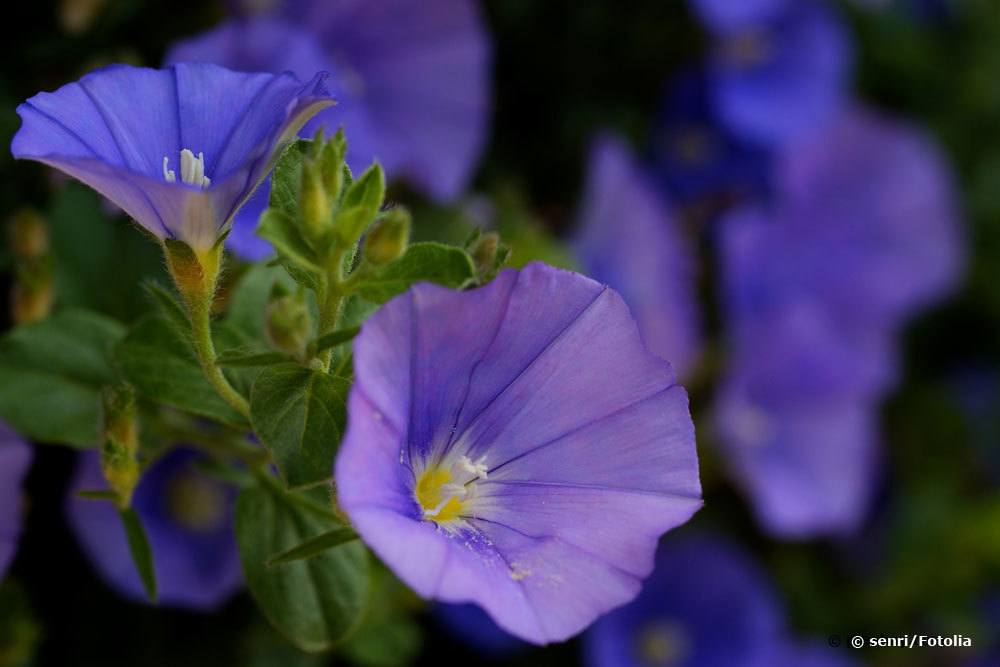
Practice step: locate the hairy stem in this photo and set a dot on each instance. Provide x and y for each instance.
(201, 330)
(331, 298)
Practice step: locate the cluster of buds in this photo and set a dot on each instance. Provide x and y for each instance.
(32, 291)
(120, 446)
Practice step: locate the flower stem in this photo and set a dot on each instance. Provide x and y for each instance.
(201, 329)
(331, 299)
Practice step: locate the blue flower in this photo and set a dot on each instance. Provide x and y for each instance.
(861, 233)
(179, 149)
(629, 238)
(698, 160)
(411, 82)
(188, 518)
(706, 605)
(15, 459)
(476, 461)
(778, 70)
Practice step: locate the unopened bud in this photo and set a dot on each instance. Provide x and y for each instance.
(31, 300)
(76, 16)
(120, 449)
(288, 324)
(29, 238)
(387, 239)
(331, 159)
(488, 255)
(314, 200)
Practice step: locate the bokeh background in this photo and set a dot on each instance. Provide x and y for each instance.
(921, 555)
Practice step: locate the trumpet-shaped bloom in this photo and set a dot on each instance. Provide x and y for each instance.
(516, 446)
(188, 517)
(179, 149)
(778, 70)
(411, 82)
(706, 605)
(630, 239)
(15, 459)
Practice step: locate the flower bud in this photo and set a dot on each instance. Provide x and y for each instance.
(288, 324)
(315, 201)
(488, 255)
(29, 238)
(31, 300)
(331, 159)
(119, 452)
(388, 237)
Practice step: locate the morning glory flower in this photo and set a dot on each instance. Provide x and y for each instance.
(15, 459)
(706, 605)
(411, 82)
(630, 238)
(516, 446)
(188, 519)
(778, 70)
(698, 160)
(179, 149)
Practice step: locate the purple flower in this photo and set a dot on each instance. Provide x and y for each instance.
(778, 70)
(188, 519)
(696, 157)
(411, 82)
(15, 459)
(869, 210)
(473, 627)
(630, 239)
(179, 149)
(516, 447)
(706, 605)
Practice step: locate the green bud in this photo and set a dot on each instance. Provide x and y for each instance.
(361, 204)
(288, 324)
(29, 237)
(488, 254)
(388, 237)
(31, 299)
(314, 200)
(119, 453)
(331, 159)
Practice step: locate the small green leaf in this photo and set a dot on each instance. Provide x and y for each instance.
(299, 415)
(169, 306)
(335, 338)
(432, 262)
(284, 234)
(315, 546)
(315, 603)
(243, 358)
(250, 297)
(163, 367)
(142, 554)
(367, 191)
(286, 177)
(51, 375)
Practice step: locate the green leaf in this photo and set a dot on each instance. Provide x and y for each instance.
(162, 366)
(315, 603)
(285, 179)
(284, 234)
(246, 312)
(87, 245)
(243, 358)
(367, 191)
(51, 375)
(169, 306)
(335, 338)
(315, 546)
(142, 554)
(432, 262)
(299, 414)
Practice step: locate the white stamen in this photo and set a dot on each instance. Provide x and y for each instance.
(192, 170)
(479, 469)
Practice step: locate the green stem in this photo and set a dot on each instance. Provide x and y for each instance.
(201, 328)
(331, 299)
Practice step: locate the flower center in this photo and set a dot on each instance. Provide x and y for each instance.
(662, 644)
(196, 503)
(748, 49)
(192, 170)
(442, 490)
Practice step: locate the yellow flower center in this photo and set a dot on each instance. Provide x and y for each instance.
(443, 490)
